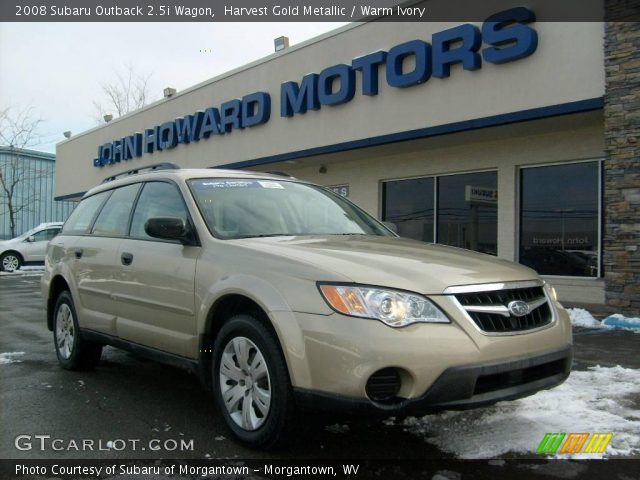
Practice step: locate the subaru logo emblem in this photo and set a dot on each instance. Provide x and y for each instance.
(518, 308)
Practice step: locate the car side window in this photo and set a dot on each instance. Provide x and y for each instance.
(80, 219)
(158, 199)
(113, 219)
(45, 235)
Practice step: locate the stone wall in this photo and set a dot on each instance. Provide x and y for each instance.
(622, 157)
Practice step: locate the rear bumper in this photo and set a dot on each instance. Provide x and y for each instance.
(458, 388)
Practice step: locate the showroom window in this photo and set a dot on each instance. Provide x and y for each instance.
(458, 210)
(560, 219)
(468, 211)
(409, 205)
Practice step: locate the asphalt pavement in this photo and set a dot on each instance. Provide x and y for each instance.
(131, 398)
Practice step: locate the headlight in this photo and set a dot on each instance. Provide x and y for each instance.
(396, 309)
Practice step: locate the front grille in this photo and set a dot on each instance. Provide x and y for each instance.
(512, 378)
(497, 318)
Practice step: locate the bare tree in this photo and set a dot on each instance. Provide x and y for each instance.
(128, 92)
(18, 130)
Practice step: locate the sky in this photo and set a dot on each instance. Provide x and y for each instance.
(58, 68)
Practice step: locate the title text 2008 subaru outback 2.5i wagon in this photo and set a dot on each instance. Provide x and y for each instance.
(286, 297)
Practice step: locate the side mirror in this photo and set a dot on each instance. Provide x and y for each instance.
(391, 226)
(31, 239)
(170, 228)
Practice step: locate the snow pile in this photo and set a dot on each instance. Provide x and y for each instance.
(620, 321)
(8, 357)
(582, 318)
(596, 400)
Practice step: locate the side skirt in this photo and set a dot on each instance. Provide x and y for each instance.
(154, 354)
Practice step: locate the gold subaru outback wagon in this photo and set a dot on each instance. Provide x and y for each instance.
(283, 297)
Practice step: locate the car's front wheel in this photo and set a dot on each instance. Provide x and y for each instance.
(73, 351)
(251, 383)
(10, 261)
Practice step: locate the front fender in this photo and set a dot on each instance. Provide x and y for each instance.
(278, 311)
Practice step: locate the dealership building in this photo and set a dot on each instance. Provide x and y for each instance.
(512, 136)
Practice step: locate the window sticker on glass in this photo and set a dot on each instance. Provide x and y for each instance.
(203, 185)
(268, 184)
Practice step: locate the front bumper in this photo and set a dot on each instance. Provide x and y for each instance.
(458, 388)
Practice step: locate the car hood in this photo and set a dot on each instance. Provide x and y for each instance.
(8, 243)
(393, 262)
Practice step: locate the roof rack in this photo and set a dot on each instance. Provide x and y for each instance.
(149, 168)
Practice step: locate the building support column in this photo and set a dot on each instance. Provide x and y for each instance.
(622, 157)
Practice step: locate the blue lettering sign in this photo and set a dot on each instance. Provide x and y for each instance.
(342, 74)
(150, 140)
(230, 115)
(298, 99)
(466, 53)
(210, 123)
(368, 65)
(132, 146)
(507, 37)
(256, 109)
(167, 136)
(421, 53)
(189, 127)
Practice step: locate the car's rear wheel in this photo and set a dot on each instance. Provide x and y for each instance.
(10, 262)
(73, 351)
(251, 383)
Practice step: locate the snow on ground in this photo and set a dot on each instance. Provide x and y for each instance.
(582, 318)
(597, 400)
(30, 270)
(9, 357)
(620, 321)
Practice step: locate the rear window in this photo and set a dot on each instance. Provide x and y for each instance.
(80, 220)
(113, 220)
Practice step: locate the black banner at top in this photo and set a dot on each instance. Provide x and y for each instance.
(308, 10)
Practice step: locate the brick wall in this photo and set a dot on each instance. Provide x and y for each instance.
(622, 157)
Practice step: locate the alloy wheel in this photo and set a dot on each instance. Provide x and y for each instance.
(65, 331)
(10, 263)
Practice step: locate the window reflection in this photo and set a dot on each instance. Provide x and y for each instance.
(409, 205)
(559, 219)
(467, 211)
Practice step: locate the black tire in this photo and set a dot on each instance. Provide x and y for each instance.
(278, 424)
(79, 353)
(7, 255)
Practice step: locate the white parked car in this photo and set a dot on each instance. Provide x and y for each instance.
(28, 248)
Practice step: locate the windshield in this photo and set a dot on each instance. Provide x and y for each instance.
(28, 233)
(239, 208)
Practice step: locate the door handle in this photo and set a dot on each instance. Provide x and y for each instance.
(79, 252)
(127, 258)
